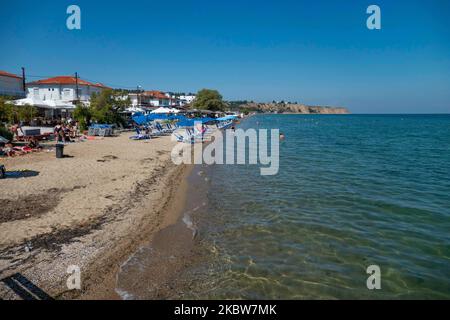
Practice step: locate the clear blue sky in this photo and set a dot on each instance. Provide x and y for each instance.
(315, 52)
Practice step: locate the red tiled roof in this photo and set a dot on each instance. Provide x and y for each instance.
(156, 94)
(7, 74)
(68, 80)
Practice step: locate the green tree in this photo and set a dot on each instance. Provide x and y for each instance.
(10, 113)
(25, 113)
(6, 111)
(107, 106)
(208, 99)
(83, 115)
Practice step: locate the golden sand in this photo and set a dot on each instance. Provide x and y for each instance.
(90, 209)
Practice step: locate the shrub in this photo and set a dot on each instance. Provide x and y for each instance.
(5, 133)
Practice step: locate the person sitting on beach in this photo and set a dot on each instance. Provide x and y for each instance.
(33, 144)
(10, 151)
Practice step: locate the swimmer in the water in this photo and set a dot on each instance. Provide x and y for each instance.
(282, 136)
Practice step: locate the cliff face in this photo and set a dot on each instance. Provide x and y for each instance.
(294, 108)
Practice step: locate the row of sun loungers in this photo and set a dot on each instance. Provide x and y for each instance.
(155, 130)
(100, 130)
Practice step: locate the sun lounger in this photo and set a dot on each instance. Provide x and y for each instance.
(189, 136)
(101, 130)
(141, 137)
(179, 137)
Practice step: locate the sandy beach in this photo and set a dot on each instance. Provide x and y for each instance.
(91, 209)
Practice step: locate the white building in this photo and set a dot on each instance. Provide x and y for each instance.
(57, 96)
(11, 85)
(152, 99)
(63, 89)
(184, 100)
(159, 98)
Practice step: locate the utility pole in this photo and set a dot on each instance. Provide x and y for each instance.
(24, 81)
(76, 86)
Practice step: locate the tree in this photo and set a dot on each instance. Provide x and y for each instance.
(25, 113)
(208, 99)
(6, 111)
(83, 115)
(10, 113)
(107, 106)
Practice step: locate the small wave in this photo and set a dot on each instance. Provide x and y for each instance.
(190, 224)
(124, 295)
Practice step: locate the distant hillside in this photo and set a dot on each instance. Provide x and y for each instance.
(291, 108)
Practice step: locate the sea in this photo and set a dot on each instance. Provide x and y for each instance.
(353, 193)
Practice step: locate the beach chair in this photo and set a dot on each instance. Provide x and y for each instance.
(141, 137)
(193, 136)
(161, 130)
(169, 128)
(182, 138)
(156, 131)
(93, 131)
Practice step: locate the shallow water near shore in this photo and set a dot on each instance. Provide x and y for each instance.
(352, 191)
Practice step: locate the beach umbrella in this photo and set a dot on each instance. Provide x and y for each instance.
(44, 104)
(186, 123)
(162, 110)
(134, 110)
(140, 118)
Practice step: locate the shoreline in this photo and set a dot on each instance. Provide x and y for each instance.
(158, 268)
(171, 213)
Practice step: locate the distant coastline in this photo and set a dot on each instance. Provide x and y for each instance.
(292, 108)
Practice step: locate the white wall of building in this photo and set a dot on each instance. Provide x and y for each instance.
(61, 92)
(186, 99)
(10, 86)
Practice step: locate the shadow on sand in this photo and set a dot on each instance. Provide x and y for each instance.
(21, 174)
(24, 288)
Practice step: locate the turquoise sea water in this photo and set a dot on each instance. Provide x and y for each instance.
(352, 191)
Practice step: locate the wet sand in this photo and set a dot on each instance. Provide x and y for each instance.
(161, 268)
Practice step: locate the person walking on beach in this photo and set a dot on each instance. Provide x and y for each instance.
(58, 131)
